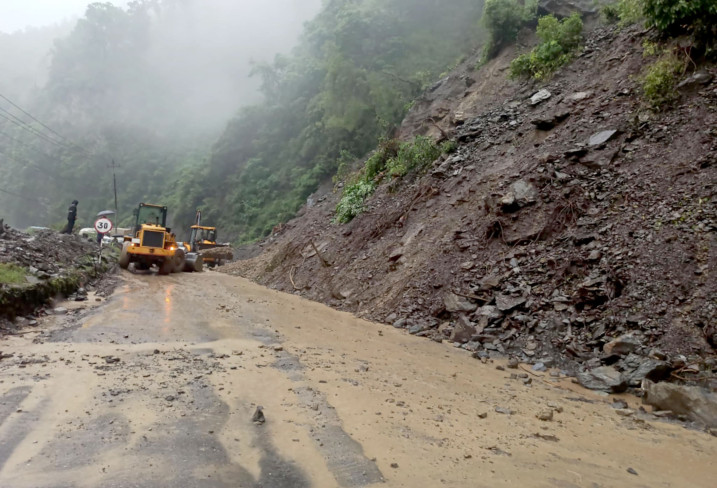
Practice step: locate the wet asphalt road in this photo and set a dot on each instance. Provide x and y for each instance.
(133, 393)
(157, 386)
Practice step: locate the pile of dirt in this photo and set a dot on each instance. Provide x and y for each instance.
(572, 227)
(54, 265)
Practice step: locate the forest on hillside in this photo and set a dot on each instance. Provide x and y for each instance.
(197, 110)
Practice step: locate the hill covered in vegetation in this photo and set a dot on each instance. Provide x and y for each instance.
(126, 86)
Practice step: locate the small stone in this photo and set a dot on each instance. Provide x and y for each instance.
(59, 311)
(513, 363)
(539, 367)
(624, 344)
(545, 415)
(483, 415)
(504, 411)
(455, 303)
(601, 137)
(632, 471)
(624, 412)
(540, 97)
(394, 465)
(258, 417)
(507, 303)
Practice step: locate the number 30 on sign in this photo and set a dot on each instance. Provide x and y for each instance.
(103, 225)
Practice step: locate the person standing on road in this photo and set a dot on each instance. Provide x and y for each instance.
(71, 217)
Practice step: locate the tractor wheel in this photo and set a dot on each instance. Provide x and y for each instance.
(124, 256)
(199, 264)
(193, 263)
(166, 266)
(179, 259)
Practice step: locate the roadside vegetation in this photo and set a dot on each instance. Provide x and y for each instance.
(392, 159)
(349, 83)
(12, 274)
(559, 40)
(660, 79)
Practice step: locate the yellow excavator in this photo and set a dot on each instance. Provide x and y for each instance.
(203, 241)
(153, 243)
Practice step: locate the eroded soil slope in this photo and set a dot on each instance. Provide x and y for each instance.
(556, 227)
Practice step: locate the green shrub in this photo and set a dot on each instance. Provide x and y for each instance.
(417, 154)
(376, 164)
(394, 158)
(671, 16)
(558, 41)
(352, 200)
(449, 147)
(503, 19)
(625, 12)
(11, 274)
(660, 79)
(344, 166)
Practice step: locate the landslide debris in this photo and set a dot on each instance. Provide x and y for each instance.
(571, 228)
(46, 264)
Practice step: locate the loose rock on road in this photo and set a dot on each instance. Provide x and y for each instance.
(207, 380)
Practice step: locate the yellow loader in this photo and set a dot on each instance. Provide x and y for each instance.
(153, 243)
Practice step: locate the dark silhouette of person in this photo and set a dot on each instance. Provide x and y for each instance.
(71, 217)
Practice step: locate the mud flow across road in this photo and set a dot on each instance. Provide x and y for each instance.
(159, 386)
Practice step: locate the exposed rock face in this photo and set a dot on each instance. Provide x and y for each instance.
(694, 402)
(595, 242)
(563, 8)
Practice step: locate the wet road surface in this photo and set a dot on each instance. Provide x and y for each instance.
(157, 386)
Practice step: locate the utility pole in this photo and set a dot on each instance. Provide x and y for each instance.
(114, 182)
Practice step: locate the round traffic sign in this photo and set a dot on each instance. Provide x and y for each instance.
(103, 225)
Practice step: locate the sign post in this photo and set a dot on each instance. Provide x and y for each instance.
(103, 225)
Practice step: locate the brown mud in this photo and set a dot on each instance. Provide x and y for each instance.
(157, 386)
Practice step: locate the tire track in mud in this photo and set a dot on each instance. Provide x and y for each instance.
(344, 456)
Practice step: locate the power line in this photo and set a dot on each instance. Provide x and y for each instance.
(32, 165)
(29, 129)
(19, 196)
(22, 122)
(24, 144)
(63, 138)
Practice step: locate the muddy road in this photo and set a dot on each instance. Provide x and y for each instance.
(158, 386)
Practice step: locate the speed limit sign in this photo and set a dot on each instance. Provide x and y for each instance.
(103, 225)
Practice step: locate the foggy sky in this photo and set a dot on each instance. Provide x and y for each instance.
(204, 51)
(18, 14)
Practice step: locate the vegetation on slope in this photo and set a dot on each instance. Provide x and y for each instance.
(558, 41)
(349, 82)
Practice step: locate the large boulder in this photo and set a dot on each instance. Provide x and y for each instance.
(603, 378)
(694, 402)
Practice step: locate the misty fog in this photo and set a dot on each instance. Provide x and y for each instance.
(202, 50)
(198, 61)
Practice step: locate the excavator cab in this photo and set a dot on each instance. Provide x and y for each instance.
(203, 240)
(203, 235)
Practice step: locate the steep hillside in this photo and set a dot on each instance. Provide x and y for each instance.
(569, 216)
